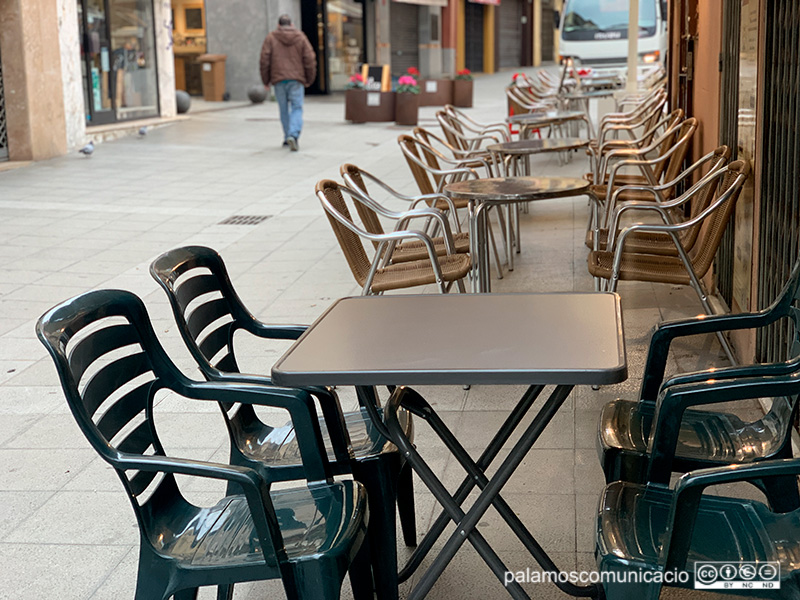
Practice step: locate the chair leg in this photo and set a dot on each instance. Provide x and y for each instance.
(494, 249)
(360, 573)
(225, 592)
(188, 594)
(698, 288)
(379, 476)
(153, 579)
(781, 492)
(315, 580)
(405, 505)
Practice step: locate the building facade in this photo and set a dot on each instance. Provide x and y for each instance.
(733, 64)
(71, 68)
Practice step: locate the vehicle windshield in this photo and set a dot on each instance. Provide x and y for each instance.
(606, 15)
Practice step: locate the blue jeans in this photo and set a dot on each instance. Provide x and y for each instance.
(289, 95)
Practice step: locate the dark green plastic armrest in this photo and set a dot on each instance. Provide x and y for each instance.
(756, 370)
(278, 332)
(688, 493)
(253, 485)
(676, 399)
(666, 332)
(298, 403)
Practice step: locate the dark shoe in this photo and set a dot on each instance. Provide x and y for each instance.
(285, 143)
(292, 144)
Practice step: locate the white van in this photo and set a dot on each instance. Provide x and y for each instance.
(595, 33)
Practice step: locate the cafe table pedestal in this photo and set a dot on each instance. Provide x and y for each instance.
(483, 193)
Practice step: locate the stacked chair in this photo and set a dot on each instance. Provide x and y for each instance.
(691, 262)
(402, 258)
(642, 524)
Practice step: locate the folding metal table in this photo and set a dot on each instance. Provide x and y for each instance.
(563, 339)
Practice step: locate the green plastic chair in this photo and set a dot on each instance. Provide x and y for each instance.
(208, 313)
(704, 438)
(111, 366)
(644, 529)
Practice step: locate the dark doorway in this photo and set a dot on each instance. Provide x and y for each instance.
(473, 36)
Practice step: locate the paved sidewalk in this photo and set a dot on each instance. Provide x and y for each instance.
(73, 224)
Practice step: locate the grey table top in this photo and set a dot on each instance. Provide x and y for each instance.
(538, 146)
(457, 339)
(513, 189)
(547, 117)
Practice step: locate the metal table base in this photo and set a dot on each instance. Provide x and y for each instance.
(466, 522)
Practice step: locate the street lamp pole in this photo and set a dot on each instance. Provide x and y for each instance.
(633, 44)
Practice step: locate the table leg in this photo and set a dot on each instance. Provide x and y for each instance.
(492, 449)
(443, 497)
(481, 247)
(466, 525)
(474, 251)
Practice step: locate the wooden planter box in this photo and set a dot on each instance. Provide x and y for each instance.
(435, 92)
(362, 106)
(406, 108)
(462, 93)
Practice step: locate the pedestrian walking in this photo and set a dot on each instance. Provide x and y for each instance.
(289, 64)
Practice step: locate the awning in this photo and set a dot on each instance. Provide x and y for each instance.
(424, 2)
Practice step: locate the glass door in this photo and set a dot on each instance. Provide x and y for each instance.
(345, 29)
(134, 58)
(119, 63)
(96, 63)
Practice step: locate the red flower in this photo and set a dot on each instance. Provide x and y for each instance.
(464, 72)
(414, 71)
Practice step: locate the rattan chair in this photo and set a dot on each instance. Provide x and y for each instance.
(691, 264)
(643, 117)
(370, 211)
(479, 159)
(463, 136)
(425, 163)
(659, 163)
(470, 124)
(379, 274)
(660, 200)
(652, 143)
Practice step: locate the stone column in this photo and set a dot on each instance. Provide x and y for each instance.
(165, 58)
(449, 37)
(71, 75)
(32, 79)
(383, 44)
(430, 42)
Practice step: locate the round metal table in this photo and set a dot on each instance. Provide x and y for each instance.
(550, 119)
(515, 153)
(483, 193)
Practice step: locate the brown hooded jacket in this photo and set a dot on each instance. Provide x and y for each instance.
(287, 54)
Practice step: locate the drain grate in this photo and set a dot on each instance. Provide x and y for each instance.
(245, 220)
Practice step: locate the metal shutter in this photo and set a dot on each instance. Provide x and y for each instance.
(404, 37)
(547, 27)
(780, 188)
(3, 127)
(509, 34)
(473, 36)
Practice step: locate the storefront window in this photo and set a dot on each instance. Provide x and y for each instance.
(345, 40)
(119, 63)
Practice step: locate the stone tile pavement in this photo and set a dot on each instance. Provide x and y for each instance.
(73, 224)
